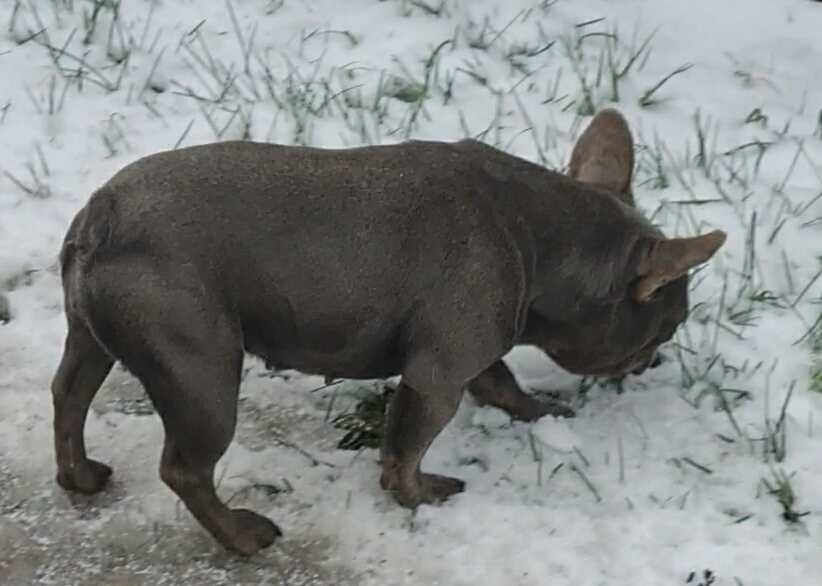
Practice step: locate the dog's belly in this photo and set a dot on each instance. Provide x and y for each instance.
(369, 351)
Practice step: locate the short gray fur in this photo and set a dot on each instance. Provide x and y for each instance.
(425, 259)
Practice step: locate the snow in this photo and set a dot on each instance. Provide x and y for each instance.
(643, 487)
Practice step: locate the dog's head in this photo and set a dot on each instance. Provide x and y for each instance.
(648, 295)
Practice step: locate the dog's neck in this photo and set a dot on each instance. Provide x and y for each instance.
(580, 238)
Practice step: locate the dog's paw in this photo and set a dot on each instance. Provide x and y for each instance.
(425, 489)
(251, 532)
(87, 477)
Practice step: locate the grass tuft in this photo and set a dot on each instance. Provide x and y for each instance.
(757, 116)
(781, 489)
(648, 98)
(364, 426)
(5, 309)
(816, 360)
(405, 90)
(707, 578)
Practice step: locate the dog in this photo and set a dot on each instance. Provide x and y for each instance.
(429, 260)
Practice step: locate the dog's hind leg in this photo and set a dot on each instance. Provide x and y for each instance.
(197, 399)
(82, 370)
(186, 347)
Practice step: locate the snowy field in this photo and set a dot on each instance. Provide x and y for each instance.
(706, 470)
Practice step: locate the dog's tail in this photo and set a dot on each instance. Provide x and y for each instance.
(91, 230)
(88, 235)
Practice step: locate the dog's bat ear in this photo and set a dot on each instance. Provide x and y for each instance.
(604, 155)
(666, 260)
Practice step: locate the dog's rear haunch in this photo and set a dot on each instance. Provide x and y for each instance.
(424, 259)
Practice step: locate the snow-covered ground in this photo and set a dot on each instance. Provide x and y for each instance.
(690, 468)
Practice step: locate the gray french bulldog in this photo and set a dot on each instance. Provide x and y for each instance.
(428, 260)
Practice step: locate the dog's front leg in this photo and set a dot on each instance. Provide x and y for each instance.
(496, 386)
(414, 419)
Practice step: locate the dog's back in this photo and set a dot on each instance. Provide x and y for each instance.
(320, 255)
